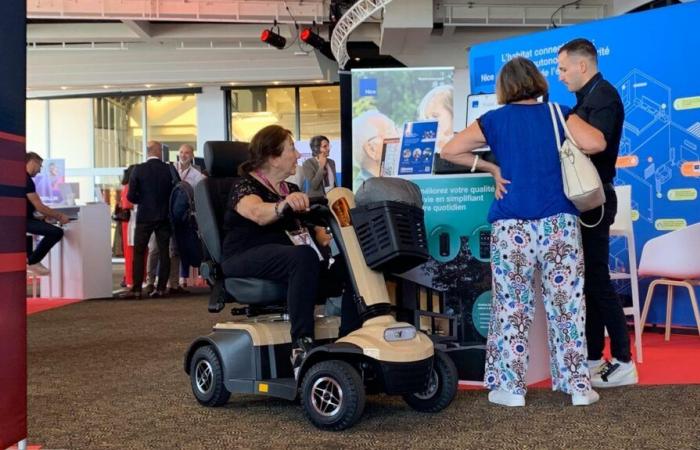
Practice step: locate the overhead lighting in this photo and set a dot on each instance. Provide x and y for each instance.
(313, 39)
(275, 83)
(105, 86)
(271, 38)
(148, 85)
(190, 84)
(64, 88)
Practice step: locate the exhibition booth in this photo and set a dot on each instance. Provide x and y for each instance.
(395, 123)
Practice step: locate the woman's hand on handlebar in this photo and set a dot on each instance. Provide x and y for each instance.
(298, 201)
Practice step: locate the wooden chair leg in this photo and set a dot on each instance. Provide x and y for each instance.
(647, 302)
(694, 304)
(669, 309)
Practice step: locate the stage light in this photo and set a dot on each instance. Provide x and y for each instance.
(313, 39)
(273, 39)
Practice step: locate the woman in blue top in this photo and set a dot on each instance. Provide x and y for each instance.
(534, 226)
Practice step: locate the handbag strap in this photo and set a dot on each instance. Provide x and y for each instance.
(567, 133)
(557, 137)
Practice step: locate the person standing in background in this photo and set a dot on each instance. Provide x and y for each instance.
(150, 185)
(319, 170)
(599, 104)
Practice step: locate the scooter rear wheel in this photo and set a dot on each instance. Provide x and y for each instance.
(441, 389)
(207, 377)
(332, 395)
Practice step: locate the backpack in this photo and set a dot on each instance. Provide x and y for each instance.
(182, 209)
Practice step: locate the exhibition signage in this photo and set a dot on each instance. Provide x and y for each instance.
(651, 58)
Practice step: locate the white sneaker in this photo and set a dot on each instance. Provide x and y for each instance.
(615, 373)
(585, 399)
(38, 269)
(594, 365)
(501, 397)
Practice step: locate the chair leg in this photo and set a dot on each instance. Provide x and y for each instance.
(669, 309)
(647, 301)
(694, 303)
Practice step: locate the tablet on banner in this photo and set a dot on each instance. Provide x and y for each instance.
(477, 106)
(418, 147)
(391, 155)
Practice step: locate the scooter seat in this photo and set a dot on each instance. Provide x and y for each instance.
(256, 291)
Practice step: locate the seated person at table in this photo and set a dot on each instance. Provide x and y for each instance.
(52, 234)
(257, 239)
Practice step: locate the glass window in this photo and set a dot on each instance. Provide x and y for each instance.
(37, 121)
(255, 108)
(70, 133)
(172, 121)
(320, 112)
(118, 123)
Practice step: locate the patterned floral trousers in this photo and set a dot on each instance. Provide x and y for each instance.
(518, 248)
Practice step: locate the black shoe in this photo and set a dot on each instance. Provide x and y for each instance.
(129, 295)
(300, 349)
(179, 290)
(156, 294)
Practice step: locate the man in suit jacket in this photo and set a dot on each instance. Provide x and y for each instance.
(319, 171)
(150, 185)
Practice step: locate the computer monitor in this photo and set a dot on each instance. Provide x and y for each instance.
(70, 192)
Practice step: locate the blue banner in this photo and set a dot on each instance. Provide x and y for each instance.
(651, 58)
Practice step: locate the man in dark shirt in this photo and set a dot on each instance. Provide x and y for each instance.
(150, 185)
(599, 104)
(52, 234)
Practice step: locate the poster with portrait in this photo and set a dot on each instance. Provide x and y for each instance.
(384, 101)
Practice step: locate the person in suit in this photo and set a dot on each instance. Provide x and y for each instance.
(319, 171)
(150, 185)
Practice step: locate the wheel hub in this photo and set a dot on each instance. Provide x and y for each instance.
(431, 389)
(326, 396)
(204, 376)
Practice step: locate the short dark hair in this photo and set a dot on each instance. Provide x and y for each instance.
(580, 47)
(519, 79)
(266, 143)
(31, 156)
(315, 144)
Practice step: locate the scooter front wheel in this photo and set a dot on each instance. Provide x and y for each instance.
(332, 395)
(441, 389)
(207, 377)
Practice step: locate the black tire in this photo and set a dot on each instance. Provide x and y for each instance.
(442, 387)
(336, 378)
(207, 377)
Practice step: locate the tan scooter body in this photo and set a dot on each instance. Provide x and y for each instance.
(251, 354)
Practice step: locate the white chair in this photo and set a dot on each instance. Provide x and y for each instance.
(674, 258)
(623, 227)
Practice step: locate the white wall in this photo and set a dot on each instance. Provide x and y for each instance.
(211, 120)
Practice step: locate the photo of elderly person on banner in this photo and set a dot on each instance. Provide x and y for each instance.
(534, 229)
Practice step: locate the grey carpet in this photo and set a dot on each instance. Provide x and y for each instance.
(108, 374)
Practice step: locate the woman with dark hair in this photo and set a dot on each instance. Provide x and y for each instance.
(534, 227)
(319, 171)
(263, 242)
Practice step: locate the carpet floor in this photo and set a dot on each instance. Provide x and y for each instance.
(108, 374)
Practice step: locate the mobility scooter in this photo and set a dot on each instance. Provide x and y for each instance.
(250, 354)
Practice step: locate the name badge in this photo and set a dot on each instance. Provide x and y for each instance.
(302, 237)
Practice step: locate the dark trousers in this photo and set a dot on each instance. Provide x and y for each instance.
(142, 234)
(603, 306)
(308, 282)
(52, 234)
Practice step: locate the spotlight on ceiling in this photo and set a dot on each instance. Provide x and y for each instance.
(271, 38)
(313, 39)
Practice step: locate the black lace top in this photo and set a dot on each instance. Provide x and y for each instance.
(242, 234)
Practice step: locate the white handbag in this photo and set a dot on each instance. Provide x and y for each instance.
(580, 178)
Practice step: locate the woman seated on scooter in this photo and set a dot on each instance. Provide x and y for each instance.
(263, 242)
